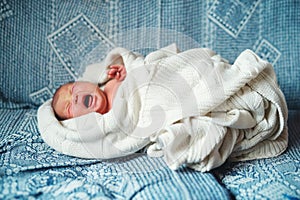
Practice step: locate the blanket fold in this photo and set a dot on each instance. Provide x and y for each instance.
(191, 107)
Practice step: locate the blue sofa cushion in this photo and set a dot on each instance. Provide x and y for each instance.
(30, 168)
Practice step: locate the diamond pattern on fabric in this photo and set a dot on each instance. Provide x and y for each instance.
(41, 96)
(232, 15)
(268, 52)
(75, 40)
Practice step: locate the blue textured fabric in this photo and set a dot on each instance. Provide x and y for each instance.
(44, 44)
(30, 168)
(273, 178)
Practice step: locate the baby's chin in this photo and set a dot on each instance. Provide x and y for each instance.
(101, 110)
(101, 104)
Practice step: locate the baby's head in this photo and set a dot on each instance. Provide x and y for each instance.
(78, 98)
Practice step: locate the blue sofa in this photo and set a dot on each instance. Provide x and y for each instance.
(44, 44)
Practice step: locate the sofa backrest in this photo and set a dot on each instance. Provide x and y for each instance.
(47, 43)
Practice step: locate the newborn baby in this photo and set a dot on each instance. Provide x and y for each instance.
(78, 98)
(192, 107)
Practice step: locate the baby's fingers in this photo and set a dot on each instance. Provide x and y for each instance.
(112, 71)
(117, 71)
(117, 76)
(110, 76)
(114, 67)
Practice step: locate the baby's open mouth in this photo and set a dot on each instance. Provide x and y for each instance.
(88, 99)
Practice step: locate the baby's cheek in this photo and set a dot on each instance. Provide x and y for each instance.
(77, 111)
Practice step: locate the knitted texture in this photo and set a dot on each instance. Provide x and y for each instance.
(164, 90)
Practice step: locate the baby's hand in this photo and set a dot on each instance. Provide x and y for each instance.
(117, 72)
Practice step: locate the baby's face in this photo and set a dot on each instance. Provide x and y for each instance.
(79, 98)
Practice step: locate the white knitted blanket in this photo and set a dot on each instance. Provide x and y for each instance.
(191, 107)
